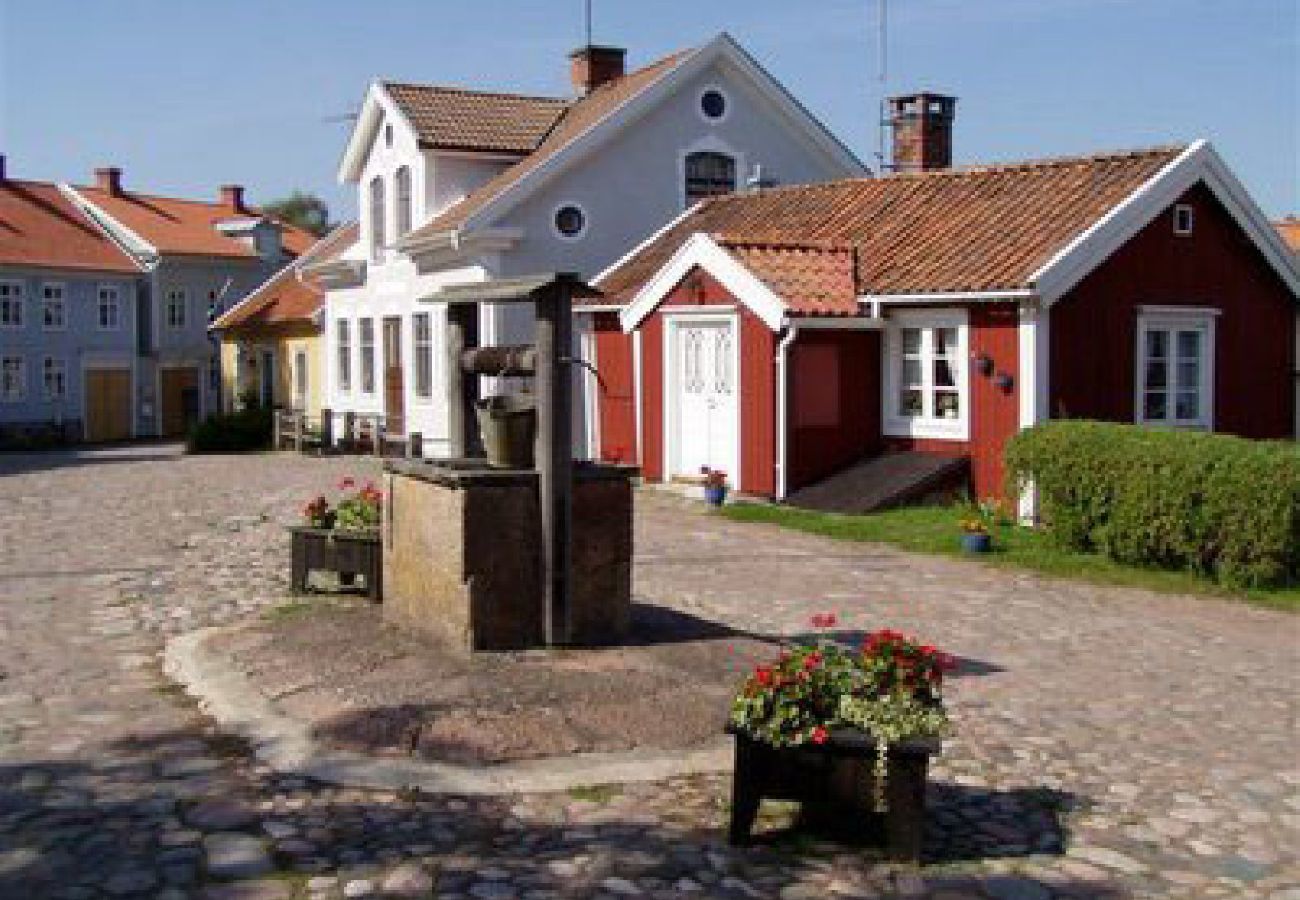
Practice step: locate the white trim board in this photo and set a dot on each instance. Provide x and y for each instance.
(703, 251)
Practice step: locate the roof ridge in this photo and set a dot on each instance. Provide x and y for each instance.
(784, 243)
(476, 92)
(216, 205)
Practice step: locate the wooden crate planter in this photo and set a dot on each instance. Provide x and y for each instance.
(346, 553)
(833, 783)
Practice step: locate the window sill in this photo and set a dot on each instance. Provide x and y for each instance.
(929, 429)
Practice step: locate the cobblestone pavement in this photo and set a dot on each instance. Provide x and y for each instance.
(1112, 743)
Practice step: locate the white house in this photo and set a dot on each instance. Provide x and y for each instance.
(460, 186)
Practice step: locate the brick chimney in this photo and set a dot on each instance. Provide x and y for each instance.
(232, 198)
(592, 66)
(109, 180)
(922, 126)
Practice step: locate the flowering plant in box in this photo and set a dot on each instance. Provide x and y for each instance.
(357, 510)
(890, 687)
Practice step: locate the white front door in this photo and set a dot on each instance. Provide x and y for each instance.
(703, 366)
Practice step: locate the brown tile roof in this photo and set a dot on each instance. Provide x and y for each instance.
(970, 229)
(173, 225)
(578, 117)
(289, 295)
(449, 118)
(41, 227)
(815, 279)
(1289, 228)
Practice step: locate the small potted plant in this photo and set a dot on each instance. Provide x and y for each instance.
(715, 485)
(976, 525)
(846, 731)
(341, 538)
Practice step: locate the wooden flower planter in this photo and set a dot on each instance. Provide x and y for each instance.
(833, 783)
(346, 553)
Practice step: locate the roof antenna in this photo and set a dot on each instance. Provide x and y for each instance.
(883, 78)
(588, 22)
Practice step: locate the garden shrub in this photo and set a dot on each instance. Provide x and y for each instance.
(1222, 506)
(248, 429)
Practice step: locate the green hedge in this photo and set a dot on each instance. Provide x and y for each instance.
(248, 429)
(1225, 507)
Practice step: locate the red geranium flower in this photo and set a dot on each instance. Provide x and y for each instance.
(347, 483)
(819, 735)
(824, 620)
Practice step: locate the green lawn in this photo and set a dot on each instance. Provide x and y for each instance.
(933, 529)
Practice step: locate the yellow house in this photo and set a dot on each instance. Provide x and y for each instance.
(272, 350)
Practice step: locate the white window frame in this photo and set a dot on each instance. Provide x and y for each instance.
(422, 352)
(710, 143)
(20, 394)
(403, 202)
(173, 295)
(1181, 210)
(16, 299)
(927, 425)
(1173, 319)
(49, 365)
(362, 346)
(60, 302)
(343, 354)
(582, 212)
(108, 296)
(726, 104)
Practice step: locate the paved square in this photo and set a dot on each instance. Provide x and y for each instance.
(1112, 742)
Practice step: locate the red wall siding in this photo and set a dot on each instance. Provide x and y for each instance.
(834, 403)
(756, 379)
(994, 330)
(652, 396)
(617, 401)
(1093, 328)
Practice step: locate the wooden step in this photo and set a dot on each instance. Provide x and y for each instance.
(880, 482)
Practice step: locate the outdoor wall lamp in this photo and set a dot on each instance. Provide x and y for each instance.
(984, 364)
(1004, 382)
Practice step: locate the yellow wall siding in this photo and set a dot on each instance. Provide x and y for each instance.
(285, 348)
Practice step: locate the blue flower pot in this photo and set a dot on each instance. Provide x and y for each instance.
(976, 543)
(716, 495)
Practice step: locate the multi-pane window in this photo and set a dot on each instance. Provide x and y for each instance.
(54, 378)
(344, 351)
(11, 304)
(176, 308)
(423, 337)
(709, 174)
(378, 239)
(402, 184)
(13, 377)
(927, 383)
(109, 308)
(300, 379)
(1174, 357)
(54, 311)
(366, 337)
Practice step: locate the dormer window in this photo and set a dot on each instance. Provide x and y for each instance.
(402, 184)
(709, 174)
(377, 237)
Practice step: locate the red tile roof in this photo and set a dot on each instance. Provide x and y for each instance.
(815, 279)
(450, 118)
(577, 118)
(1289, 228)
(969, 229)
(173, 225)
(41, 227)
(289, 296)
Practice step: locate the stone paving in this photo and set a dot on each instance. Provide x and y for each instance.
(1112, 743)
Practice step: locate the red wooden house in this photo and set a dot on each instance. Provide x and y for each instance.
(783, 335)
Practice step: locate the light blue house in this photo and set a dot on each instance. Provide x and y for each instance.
(69, 321)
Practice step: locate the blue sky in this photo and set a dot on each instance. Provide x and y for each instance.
(187, 95)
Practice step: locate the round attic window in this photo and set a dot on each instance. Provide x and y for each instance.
(713, 104)
(570, 221)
